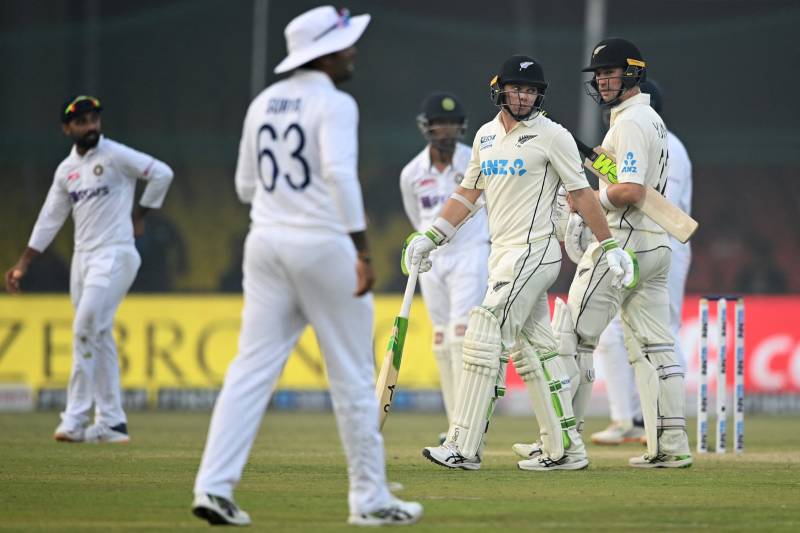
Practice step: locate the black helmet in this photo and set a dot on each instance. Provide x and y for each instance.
(523, 70)
(656, 100)
(611, 53)
(78, 104)
(446, 107)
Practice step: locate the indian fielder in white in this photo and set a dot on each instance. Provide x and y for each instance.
(306, 261)
(518, 160)
(96, 183)
(457, 280)
(638, 140)
(623, 399)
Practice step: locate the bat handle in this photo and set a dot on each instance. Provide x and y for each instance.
(408, 296)
(586, 151)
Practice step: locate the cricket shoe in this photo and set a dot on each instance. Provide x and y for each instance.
(219, 511)
(542, 463)
(100, 432)
(661, 460)
(447, 455)
(64, 433)
(397, 513)
(528, 451)
(617, 433)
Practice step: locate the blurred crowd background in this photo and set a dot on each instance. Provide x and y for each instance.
(176, 76)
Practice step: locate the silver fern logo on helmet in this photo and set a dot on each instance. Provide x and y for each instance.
(597, 50)
(525, 64)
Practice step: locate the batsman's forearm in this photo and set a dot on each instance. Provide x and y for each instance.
(455, 211)
(624, 194)
(585, 202)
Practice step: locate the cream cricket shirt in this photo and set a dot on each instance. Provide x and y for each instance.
(520, 172)
(637, 140)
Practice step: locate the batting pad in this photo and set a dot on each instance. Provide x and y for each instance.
(660, 382)
(442, 353)
(477, 391)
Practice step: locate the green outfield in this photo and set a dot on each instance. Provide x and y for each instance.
(296, 481)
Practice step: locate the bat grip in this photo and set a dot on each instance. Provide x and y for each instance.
(408, 296)
(585, 151)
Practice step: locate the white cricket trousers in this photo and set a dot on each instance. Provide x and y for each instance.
(623, 398)
(99, 281)
(293, 279)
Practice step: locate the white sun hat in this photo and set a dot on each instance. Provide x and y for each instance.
(319, 32)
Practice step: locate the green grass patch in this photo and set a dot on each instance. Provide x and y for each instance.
(296, 480)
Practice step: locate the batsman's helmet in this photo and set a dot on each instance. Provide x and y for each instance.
(522, 70)
(611, 53)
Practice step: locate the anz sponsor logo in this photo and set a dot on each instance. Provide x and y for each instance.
(88, 194)
(432, 200)
(629, 164)
(501, 167)
(487, 141)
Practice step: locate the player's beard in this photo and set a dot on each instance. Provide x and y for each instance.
(88, 140)
(445, 146)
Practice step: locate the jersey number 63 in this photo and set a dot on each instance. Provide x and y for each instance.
(268, 138)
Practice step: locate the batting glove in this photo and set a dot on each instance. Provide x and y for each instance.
(622, 264)
(416, 250)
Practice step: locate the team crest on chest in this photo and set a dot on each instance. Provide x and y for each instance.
(525, 138)
(98, 170)
(458, 178)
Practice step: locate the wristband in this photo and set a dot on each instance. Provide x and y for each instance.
(441, 231)
(604, 201)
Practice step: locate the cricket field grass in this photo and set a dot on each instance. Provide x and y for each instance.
(296, 480)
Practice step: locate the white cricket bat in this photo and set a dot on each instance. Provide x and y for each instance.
(655, 205)
(390, 369)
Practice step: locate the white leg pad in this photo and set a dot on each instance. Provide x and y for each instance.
(659, 379)
(564, 329)
(478, 390)
(578, 367)
(549, 386)
(441, 351)
(455, 342)
(583, 390)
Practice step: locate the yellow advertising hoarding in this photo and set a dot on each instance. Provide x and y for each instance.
(181, 341)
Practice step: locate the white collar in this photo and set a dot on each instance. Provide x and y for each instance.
(641, 98)
(310, 75)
